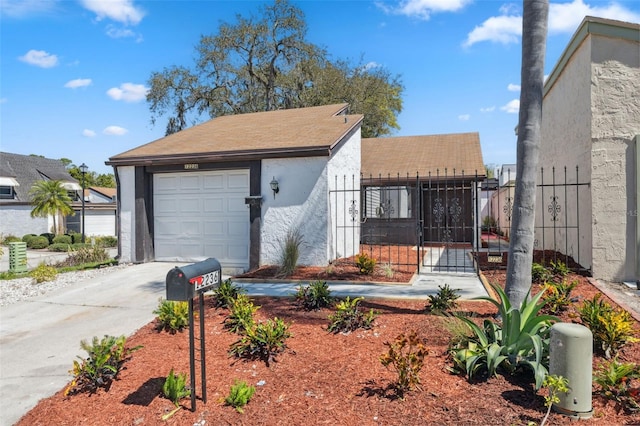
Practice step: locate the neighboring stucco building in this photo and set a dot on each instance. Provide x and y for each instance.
(207, 191)
(18, 173)
(591, 120)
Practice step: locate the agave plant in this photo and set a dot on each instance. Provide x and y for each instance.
(519, 338)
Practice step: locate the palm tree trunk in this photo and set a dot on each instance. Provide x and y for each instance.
(534, 39)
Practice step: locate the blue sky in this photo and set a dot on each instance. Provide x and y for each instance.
(74, 73)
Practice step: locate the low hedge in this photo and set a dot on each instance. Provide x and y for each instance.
(38, 243)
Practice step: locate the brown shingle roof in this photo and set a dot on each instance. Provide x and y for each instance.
(408, 155)
(302, 131)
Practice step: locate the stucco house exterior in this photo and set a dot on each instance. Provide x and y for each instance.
(18, 173)
(207, 191)
(591, 125)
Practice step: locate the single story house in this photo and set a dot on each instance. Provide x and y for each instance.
(591, 126)
(234, 187)
(99, 212)
(18, 173)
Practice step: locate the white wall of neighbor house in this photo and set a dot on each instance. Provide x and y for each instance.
(17, 221)
(299, 206)
(615, 92)
(566, 142)
(126, 239)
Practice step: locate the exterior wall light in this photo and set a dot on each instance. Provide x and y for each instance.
(274, 186)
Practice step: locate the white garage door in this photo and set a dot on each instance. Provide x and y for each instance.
(202, 214)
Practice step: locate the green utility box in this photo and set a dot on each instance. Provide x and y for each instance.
(18, 257)
(570, 356)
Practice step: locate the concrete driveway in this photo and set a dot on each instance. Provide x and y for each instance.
(40, 337)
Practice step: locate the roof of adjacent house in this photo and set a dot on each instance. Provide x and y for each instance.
(312, 131)
(429, 155)
(106, 192)
(28, 169)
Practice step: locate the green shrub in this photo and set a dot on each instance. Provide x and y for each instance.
(101, 367)
(27, 237)
(406, 356)
(262, 341)
(76, 237)
(365, 264)
(106, 241)
(559, 269)
(175, 387)
(612, 327)
(37, 243)
(240, 317)
(225, 293)
(43, 272)
(85, 255)
(521, 339)
(557, 296)
(60, 248)
(290, 252)
(172, 315)
(443, 301)
(239, 395)
(540, 274)
(615, 378)
(314, 296)
(50, 236)
(348, 316)
(62, 239)
(10, 239)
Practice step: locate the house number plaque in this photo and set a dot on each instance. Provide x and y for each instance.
(191, 166)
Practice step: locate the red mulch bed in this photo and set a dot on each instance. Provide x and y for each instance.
(321, 378)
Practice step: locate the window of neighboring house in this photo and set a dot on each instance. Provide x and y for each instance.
(6, 192)
(388, 202)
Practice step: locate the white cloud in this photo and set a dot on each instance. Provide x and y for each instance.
(123, 11)
(24, 8)
(128, 92)
(40, 58)
(423, 9)
(115, 32)
(115, 131)
(513, 87)
(563, 18)
(488, 109)
(502, 29)
(464, 117)
(78, 82)
(512, 107)
(90, 133)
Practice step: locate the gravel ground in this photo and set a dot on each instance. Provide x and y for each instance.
(13, 291)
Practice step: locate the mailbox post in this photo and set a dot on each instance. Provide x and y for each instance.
(183, 284)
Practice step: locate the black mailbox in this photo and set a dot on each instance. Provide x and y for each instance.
(185, 282)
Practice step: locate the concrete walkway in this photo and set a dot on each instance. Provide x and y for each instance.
(40, 337)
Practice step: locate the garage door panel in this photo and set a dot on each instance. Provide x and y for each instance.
(202, 214)
(214, 228)
(165, 206)
(238, 180)
(192, 227)
(166, 227)
(190, 182)
(213, 182)
(189, 206)
(213, 205)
